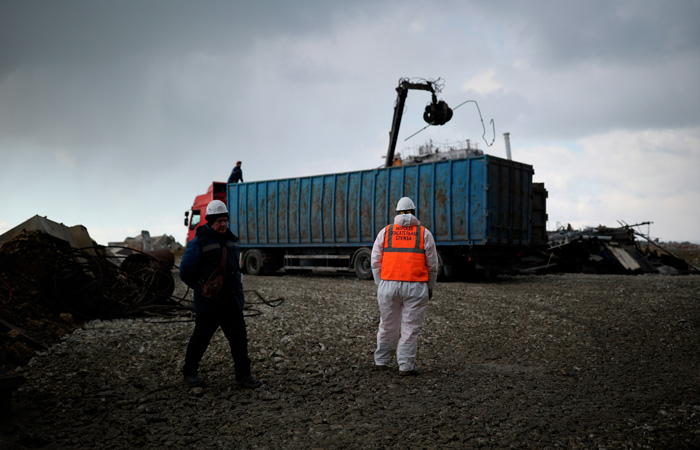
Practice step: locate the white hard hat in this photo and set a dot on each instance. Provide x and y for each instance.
(405, 204)
(216, 207)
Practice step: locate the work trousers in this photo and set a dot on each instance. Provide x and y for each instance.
(402, 310)
(232, 323)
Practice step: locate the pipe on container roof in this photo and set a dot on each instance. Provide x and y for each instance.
(506, 136)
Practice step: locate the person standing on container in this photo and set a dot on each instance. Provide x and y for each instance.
(236, 174)
(405, 267)
(204, 256)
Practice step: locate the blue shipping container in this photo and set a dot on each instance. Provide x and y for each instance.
(477, 201)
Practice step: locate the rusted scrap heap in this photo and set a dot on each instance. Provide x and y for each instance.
(48, 288)
(607, 250)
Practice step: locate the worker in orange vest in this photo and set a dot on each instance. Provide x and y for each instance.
(405, 268)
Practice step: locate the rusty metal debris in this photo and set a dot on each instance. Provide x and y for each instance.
(85, 283)
(607, 250)
(54, 278)
(145, 243)
(49, 287)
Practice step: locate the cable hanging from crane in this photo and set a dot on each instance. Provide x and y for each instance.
(483, 136)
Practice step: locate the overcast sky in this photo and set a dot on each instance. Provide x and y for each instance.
(115, 114)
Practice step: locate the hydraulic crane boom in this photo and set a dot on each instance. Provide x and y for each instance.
(436, 113)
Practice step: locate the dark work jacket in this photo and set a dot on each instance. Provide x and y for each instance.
(236, 175)
(201, 258)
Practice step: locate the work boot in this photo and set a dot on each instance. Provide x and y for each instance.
(249, 382)
(193, 380)
(408, 373)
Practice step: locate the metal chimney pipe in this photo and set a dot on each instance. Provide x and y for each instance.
(506, 137)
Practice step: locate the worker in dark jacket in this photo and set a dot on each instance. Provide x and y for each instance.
(202, 257)
(236, 174)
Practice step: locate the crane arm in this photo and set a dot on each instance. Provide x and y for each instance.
(436, 113)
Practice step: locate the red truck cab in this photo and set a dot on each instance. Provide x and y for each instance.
(195, 217)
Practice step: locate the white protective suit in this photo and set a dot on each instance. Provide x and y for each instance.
(402, 304)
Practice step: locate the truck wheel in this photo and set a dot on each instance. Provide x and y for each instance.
(254, 262)
(363, 264)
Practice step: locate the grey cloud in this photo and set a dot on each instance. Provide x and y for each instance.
(76, 31)
(621, 32)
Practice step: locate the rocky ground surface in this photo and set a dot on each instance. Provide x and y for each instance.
(556, 361)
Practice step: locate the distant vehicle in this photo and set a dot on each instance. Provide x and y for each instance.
(483, 211)
(194, 218)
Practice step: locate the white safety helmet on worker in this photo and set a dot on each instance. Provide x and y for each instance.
(405, 204)
(216, 207)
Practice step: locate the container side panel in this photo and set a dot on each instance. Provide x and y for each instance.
(510, 185)
(477, 200)
(250, 213)
(304, 210)
(522, 207)
(396, 177)
(458, 204)
(243, 212)
(234, 210)
(515, 220)
(498, 204)
(425, 196)
(526, 198)
(410, 184)
(353, 203)
(441, 203)
(316, 216)
(272, 206)
(283, 212)
(327, 213)
(236, 198)
(340, 208)
(381, 191)
(482, 200)
(516, 225)
(294, 234)
(367, 205)
(261, 203)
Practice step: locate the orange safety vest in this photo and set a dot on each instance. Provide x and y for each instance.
(404, 254)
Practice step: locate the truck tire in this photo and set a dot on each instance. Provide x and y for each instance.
(363, 264)
(254, 263)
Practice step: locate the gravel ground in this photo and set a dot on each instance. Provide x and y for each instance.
(556, 361)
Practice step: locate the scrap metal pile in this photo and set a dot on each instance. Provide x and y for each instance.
(55, 278)
(48, 288)
(606, 250)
